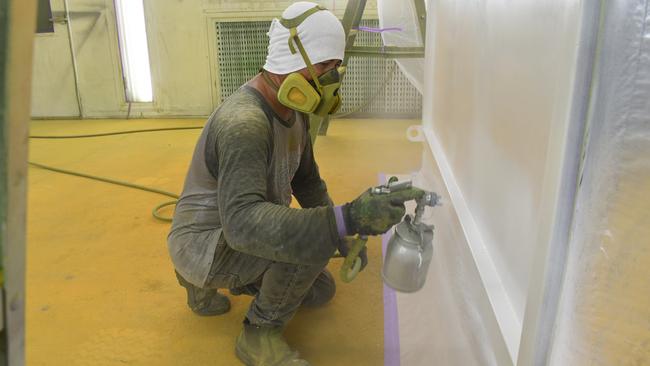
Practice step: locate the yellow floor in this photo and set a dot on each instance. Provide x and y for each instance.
(100, 285)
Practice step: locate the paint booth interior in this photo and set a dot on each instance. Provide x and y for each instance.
(530, 121)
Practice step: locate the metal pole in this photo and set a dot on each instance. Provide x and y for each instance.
(75, 69)
(351, 20)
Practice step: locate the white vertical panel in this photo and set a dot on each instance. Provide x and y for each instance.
(450, 320)
(566, 146)
(498, 98)
(16, 53)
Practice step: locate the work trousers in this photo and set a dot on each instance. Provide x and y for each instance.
(279, 288)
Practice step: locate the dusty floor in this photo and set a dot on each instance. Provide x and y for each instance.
(100, 285)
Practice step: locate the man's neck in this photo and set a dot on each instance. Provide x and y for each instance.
(270, 94)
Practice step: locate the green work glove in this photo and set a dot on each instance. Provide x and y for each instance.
(374, 214)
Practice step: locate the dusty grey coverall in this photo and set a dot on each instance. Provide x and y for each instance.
(232, 226)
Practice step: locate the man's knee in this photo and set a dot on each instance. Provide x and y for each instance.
(322, 291)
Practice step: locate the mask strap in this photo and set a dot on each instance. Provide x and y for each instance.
(295, 22)
(310, 67)
(292, 24)
(269, 81)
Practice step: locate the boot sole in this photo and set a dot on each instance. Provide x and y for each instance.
(210, 313)
(247, 360)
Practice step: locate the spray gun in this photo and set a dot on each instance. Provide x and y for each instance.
(409, 249)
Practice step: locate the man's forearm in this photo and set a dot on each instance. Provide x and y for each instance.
(312, 194)
(279, 233)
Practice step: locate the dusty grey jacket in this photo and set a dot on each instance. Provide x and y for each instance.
(246, 165)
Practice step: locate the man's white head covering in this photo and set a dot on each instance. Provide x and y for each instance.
(321, 34)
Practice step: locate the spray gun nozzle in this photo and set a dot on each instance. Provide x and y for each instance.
(431, 199)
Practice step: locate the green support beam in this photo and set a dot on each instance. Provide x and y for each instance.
(421, 11)
(351, 19)
(386, 52)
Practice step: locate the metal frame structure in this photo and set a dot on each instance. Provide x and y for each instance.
(351, 20)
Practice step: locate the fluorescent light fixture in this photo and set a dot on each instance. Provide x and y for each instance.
(134, 49)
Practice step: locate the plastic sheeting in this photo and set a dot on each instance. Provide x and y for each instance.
(401, 17)
(604, 313)
(542, 250)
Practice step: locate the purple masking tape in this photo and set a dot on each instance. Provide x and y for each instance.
(340, 222)
(391, 320)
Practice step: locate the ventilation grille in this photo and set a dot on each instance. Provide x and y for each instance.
(372, 86)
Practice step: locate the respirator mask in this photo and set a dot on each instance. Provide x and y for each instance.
(320, 95)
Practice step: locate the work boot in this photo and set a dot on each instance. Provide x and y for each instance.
(204, 302)
(265, 346)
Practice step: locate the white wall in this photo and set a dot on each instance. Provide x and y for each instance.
(182, 59)
(95, 47)
(53, 83)
(94, 35)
